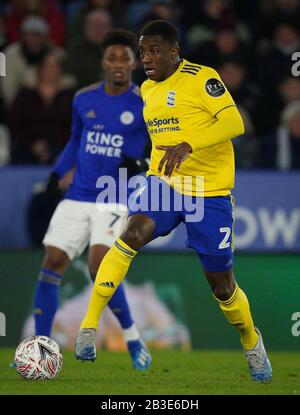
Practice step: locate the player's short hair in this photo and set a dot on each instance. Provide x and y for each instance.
(120, 37)
(163, 28)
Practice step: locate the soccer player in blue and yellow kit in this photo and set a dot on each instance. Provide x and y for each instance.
(108, 132)
(191, 119)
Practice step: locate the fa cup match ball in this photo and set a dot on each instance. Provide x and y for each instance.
(38, 358)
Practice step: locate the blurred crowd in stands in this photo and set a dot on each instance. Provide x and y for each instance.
(52, 48)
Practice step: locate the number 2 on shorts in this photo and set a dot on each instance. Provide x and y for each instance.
(225, 243)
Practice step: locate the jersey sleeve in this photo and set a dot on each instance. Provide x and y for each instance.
(139, 142)
(68, 158)
(212, 93)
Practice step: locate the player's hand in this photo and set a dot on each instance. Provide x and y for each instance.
(52, 184)
(174, 157)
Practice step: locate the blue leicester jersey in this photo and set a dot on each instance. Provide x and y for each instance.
(105, 128)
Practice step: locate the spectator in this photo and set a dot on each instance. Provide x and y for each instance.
(159, 9)
(113, 7)
(288, 138)
(166, 10)
(214, 15)
(226, 46)
(84, 55)
(23, 57)
(135, 11)
(40, 117)
(283, 11)
(289, 89)
(281, 149)
(46, 9)
(245, 93)
(2, 111)
(275, 64)
(3, 33)
(246, 10)
(4, 146)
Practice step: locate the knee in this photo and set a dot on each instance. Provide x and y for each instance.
(137, 236)
(134, 238)
(55, 261)
(222, 284)
(222, 293)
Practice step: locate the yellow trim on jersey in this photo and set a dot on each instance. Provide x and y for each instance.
(233, 222)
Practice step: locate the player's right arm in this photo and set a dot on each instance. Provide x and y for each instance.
(68, 158)
(174, 156)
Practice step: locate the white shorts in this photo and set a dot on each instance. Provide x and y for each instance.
(75, 224)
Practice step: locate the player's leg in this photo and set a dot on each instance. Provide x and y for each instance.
(234, 304)
(142, 225)
(46, 297)
(65, 238)
(139, 230)
(118, 304)
(114, 266)
(213, 235)
(231, 299)
(111, 272)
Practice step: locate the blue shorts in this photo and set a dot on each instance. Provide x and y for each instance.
(208, 220)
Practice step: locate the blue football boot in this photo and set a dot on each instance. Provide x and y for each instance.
(140, 355)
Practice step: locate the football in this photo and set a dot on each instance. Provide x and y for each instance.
(38, 358)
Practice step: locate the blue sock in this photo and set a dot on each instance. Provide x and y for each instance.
(119, 306)
(46, 301)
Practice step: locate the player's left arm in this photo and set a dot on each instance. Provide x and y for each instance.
(215, 99)
(228, 125)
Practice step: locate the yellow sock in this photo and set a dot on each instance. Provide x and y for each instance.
(237, 311)
(111, 272)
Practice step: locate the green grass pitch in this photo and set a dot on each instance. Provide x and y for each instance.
(172, 373)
